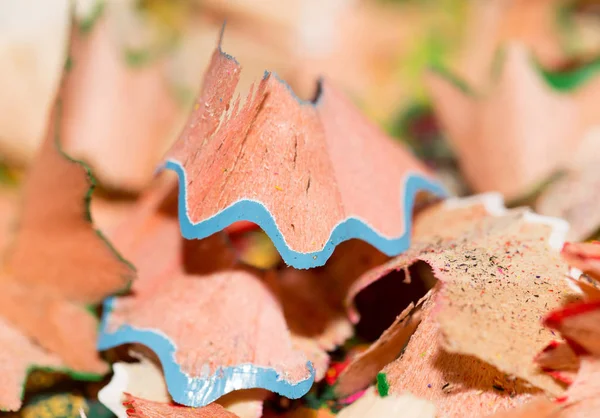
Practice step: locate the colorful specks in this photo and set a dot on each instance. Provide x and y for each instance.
(383, 386)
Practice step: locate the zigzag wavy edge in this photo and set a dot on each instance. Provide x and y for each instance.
(350, 228)
(200, 391)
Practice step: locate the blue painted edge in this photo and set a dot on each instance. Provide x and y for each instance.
(200, 391)
(254, 211)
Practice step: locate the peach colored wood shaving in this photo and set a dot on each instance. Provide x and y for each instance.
(504, 140)
(540, 407)
(313, 300)
(140, 408)
(49, 321)
(458, 385)
(493, 23)
(439, 224)
(8, 217)
(371, 405)
(57, 263)
(109, 213)
(119, 119)
(314, 353)
(245, 403)
(143, 379)
(310, 165)
(188, 289)
(17, 356)
(578, 323)
(500, 277)
(589, 287)
(574, 198)
(55, 230)
(363, 368)
(313, 306)
(226, 306)
(581, 400)
(501, 299)
(585, 257)
(558, 356)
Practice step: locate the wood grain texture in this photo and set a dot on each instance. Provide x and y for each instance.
(310, 165)
(458, 385)
(499, 277)
(213, 314)
(141, 408)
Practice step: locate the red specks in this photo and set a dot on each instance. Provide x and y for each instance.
(561, 377)
(553, 345)
(561, 399)
(555, 318)
(335, 370)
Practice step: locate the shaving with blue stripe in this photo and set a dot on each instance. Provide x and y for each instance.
(215, 326)
(311, 174)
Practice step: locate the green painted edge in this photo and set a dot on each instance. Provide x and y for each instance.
(76, 375)
(570, 80)
(138, 58)
(87, 204)
(454, 79)
(560, 81)
(383, 386)
(87, 23)
(91, 308)
(69, 63)
(141, 57)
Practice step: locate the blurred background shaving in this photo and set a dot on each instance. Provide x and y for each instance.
(139, 64)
